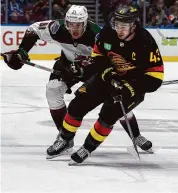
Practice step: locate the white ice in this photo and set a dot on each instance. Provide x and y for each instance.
(27, 130)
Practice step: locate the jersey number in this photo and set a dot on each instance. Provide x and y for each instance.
(43, 25)
(155, 57)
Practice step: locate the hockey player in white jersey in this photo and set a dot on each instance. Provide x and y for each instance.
(75, 37)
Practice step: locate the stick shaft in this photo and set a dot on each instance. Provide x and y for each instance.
(59, 73)
(42, 67)
(129, 128)
(163, 37)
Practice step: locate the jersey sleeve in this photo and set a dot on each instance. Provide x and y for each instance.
(94, 27)
(98, 49)
(153, 70)
(99, 55)
(39, 30)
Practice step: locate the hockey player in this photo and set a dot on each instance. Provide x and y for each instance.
(136, 68)
(75, 36)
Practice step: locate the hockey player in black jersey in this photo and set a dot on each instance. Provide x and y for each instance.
(76, 37)
(135, 68)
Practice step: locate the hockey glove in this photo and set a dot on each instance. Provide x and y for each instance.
(14, 59)
(116, 90)
(119, 88)
(109, 74)
(76, 70)
(64, 67)
(79, 64)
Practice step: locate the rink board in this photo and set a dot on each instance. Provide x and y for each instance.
(11, 37)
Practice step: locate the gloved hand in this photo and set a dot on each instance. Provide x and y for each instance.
(64, 69)
(109, 74)
(79, 64)
(122, 90)
(119, 88)
(76, 69)
(116, 90)
(14, 58)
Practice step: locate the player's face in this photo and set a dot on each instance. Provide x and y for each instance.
(122, 29)
(76, 29)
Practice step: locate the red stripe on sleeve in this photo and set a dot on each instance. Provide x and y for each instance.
(156, 69)
(96, 50)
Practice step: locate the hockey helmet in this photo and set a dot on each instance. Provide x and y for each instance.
(77, 14)
(126, 14)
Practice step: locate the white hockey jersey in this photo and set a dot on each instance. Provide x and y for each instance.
(54, 31)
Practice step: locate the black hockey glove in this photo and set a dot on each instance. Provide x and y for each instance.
(116, 90)
(79, 64)
(76, 69)
(14, 59)
(64, 67)
(119, 88)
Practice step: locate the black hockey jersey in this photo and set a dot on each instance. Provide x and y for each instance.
(137, 61)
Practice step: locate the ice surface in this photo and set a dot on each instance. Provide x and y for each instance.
(27, 130)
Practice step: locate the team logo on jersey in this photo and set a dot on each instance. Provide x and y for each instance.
(120, 63)
(54, 27)
(107, 46)
(122, 44)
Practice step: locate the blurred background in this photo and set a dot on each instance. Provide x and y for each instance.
(154, 13)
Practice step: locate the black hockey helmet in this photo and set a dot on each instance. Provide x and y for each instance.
(126, 14)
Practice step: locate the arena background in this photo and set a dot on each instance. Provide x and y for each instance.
(13, 28)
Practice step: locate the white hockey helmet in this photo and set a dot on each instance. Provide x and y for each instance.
(77, 13)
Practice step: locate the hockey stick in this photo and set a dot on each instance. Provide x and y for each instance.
(69, 91)
(132, 150)
(59, 73)
(40, 67)
(163, 37)
(170, 82)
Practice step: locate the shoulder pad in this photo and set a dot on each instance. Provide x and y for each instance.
(146, 37)
(54, 27)
(94, 27)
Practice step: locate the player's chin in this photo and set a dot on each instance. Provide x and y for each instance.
(76, 35)
(122, 37)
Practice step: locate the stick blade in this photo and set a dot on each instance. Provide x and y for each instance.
(131, 150)
(73, 163)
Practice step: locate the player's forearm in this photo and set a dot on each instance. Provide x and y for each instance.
(100, 63)
(149, 84)
(30, 38)
(28, 41)
(153, 78)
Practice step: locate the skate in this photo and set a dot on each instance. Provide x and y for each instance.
(144, 144)
(79, 156)
(59, 147)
